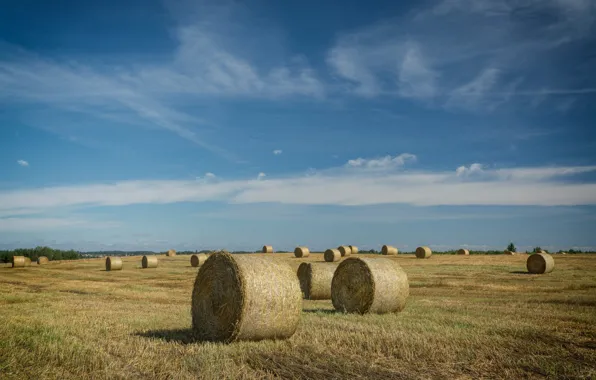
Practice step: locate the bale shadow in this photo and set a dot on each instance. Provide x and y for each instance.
(324, 311)
(520, 272)
(181, 336)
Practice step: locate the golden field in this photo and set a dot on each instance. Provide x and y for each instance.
(468, 317)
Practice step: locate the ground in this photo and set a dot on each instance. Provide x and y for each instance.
(467, 317)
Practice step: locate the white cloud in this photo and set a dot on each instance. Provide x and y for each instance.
(387, 162)
(416, 79)
(277, 152)
(341, 186)
(37, 224)
(471, 170)
(23, 163)
(209, 175)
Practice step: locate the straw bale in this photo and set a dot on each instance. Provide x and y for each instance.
(539, 263)
(354, 249)
(18, 261)
(423, 252)
(113, 263)
(243, 297)
(301, 252)
(463, 251)
(389, 250)
(344, 250)
(369, 285)
(41, 260)
(331, 255)
(315, 280)
(171, 253)
(267, 249)
(197, 260)
(149, 262)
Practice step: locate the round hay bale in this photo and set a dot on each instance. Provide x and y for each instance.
(463, 251)
(242, 297)
(113, 263)
(315, 280)
(423, 252)
(540, 263)
(18, 261)
(354, 249)
(389, 250)
(301, 252)
(149, 262)
(198, 259)
(344, 250)
(267, 249)
(171, 253)
(41, 260)
(27, 262)
(331, 255)
(508, 252)
(365, 285)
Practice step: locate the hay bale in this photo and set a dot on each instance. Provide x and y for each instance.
(267, 249)
(301, 252)
(149, 262)
(315, 280)
(463, 251)
(508, 252)
(113, 263)
(171, 253)
(423, 252)
(27, 262)
(243, 297)
(344, 250)
(198, 259)
(41, 260)
(18, 261)
(365, 285)
(331, 255)
(389, 250)
(354, 249)
(540, 263)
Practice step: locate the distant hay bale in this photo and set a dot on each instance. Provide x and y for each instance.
(113, 263)
(27, 262)
(331, 255)
(354, 249)
(389, 250)
(149, 262)
(243, 297)
(41, 260)
(344, 250)
(171, 253)
(508, 252)
(197, 260)
(423, 252)
(18, 261)
(463, 251)
(267, 249)
(315, 280)
(301, 252)
(365, 285)
(540, 263)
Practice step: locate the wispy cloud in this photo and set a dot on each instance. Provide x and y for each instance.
(277, 152)
(383, 163)
(37, 224)
(337, 186)
(23, 163)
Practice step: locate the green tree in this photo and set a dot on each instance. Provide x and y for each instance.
(511, 247)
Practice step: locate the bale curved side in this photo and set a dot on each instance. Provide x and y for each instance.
(245, 298)
(149, 262)
(509, 253)
(27, 261)
(540, 263)
(344, 250)
(113, 263)
(315, 280)
(197, 260)
(18, 261)
(41, 260)
(463, 251)
(354, 249)
(423, 252)
(267, 249)
(365, 285)
(301, 252)
(171, 253)
(332, 255)
(389, 250)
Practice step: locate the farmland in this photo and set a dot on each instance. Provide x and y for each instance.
(466, 317)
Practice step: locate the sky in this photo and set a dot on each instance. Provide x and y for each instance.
(157, 124)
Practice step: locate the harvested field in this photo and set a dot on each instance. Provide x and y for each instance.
(74, 320)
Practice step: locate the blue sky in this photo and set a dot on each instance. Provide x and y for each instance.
(199, 125)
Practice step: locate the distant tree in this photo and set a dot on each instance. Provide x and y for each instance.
(538, 249)
(511, 247)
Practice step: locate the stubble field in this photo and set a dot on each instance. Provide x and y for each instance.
(467, 317)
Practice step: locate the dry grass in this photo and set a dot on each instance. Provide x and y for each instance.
(466, 317)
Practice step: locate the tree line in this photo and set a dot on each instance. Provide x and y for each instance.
(33, 253)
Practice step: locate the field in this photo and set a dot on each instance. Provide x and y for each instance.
(467, 317)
